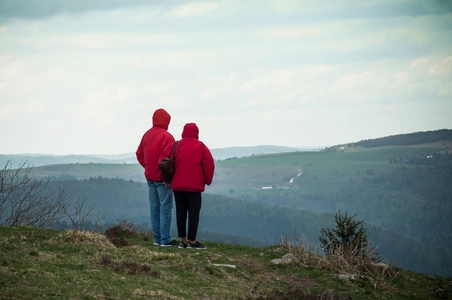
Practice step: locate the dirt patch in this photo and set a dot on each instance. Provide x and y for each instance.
(297, 293)
(248, 264)
(114, 235)
(127, 267)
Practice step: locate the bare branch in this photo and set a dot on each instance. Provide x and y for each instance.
(26, 199)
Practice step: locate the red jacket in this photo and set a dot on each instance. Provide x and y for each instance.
(155, 145)
(194, 162)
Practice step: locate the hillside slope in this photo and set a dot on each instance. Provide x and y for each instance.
(47, 264)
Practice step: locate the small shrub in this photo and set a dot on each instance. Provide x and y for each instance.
(347, 248)
(350, 236)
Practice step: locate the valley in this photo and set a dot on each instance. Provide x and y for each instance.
(402, 193)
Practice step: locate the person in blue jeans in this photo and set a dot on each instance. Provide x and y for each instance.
(155, 145)
(161, 205)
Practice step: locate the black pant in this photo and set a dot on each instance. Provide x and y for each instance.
(187, 203)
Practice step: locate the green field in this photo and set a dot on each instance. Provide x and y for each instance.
(321, 171)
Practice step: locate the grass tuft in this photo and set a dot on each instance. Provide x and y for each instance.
(78, 236)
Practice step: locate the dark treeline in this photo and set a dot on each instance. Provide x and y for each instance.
(119, 198)
(408, 139)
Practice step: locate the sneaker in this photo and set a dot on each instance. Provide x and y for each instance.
(196, 245)
(157, 244)
(182, 245)
(172, 243)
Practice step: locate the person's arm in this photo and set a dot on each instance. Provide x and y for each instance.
(208, 165)
(140, 155)
(166, 147)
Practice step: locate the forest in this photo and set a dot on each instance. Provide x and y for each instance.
(408, 139)
(415, 138)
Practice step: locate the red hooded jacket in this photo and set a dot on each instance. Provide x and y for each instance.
(155, 145)
(194, 162)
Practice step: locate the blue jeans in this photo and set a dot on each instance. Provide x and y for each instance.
(161, 203)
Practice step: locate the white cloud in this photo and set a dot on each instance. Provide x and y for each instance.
(288, 6)
(442, 68)
(285, 85)
(300, 32)
(220, 86)
(419, 62)
(167, 59)
(195, 9)
(445, 90)
(363, 85)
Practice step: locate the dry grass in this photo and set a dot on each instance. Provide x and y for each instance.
(340, 261)
(149, 254)
(78, 236)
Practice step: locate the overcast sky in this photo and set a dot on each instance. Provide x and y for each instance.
(84, 77)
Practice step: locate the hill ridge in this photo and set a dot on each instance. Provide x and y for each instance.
(406, 139)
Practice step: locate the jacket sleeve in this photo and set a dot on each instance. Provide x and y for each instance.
(208, 165)
(166, 147)
(140, 154)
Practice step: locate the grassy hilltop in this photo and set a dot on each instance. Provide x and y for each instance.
(48, 264)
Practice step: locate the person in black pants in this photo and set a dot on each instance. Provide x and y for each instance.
(188, 202)
(194, 167)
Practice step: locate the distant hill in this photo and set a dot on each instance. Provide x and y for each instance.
(444, 136)
(38, 160)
